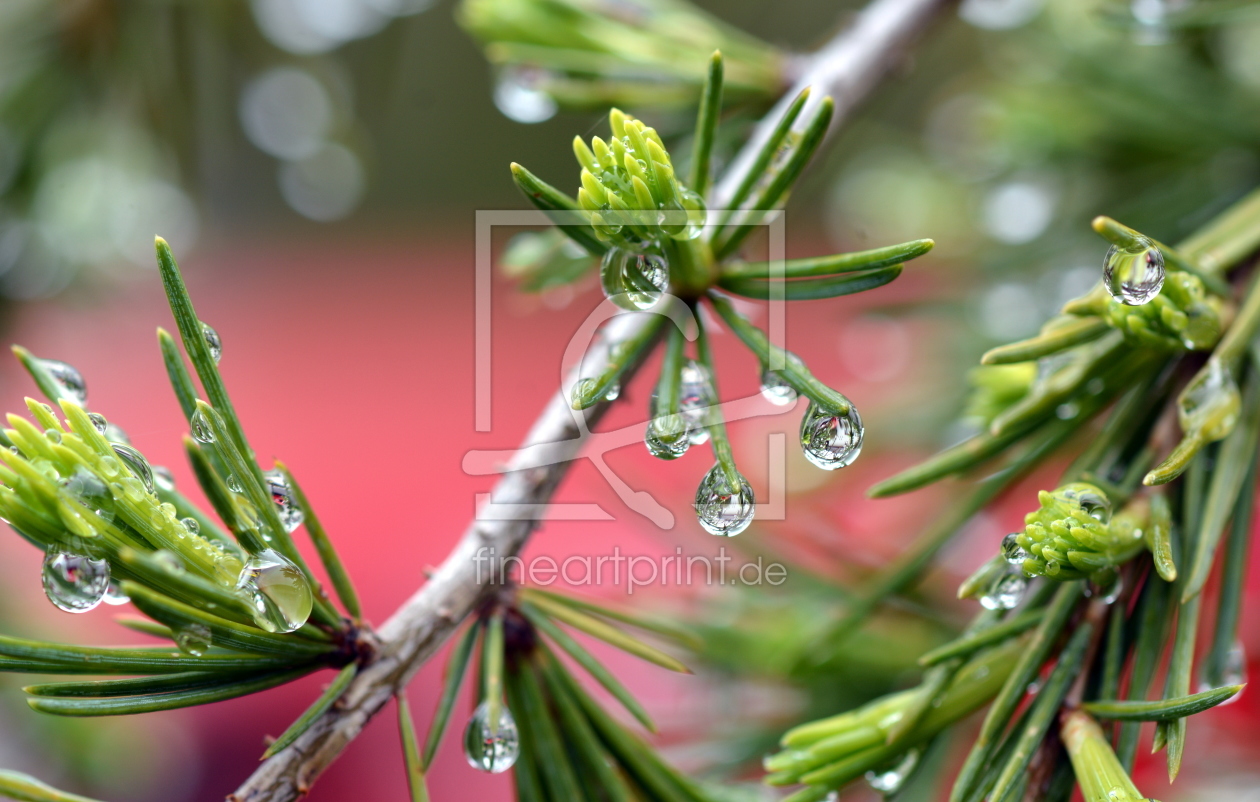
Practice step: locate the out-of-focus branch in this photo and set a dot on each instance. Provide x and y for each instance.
(847, 69)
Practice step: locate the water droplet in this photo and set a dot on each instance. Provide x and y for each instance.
(282, 494)
(213, 341)
(1093, 504)
(1066, 411)
(1012, 552)
(697, 213)
(695, 396)
(136, 463)
(53, 434)
(613, 392)
(775, 390)
(233, 483)
(191, 525)
(69, 380)
(163, 478)
(831, 441)
(1006, 591)
(517, 96)
(633, 280)
(1106, 588)
(889, 780)
(193, 639)
(276, 590)
(667, 437)
(114, 595)
(98, 421)
(491, 749)
(169, 560)
(1135, 275)
(90, 490)
(721, 509)
(1235, 669)
(73, 582)
(202, 431)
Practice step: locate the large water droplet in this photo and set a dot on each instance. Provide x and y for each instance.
(98, 421)
(1006, 591)
(721, 509)
(202, 431)
(491, 749)
(517, 95)
(276, 590)
(69, 380)
(831, 441)
(282, 494)
(193, 639)
(1012, 552)
(73, 582)
(233, 483)
(633, 280)
(1235, 666)
(889, 780)
(213, 341)
(191, 525)
(1135, 275)
(136, 463)
(612, 392)
(667, 437)
(775, 390)
(695, 396)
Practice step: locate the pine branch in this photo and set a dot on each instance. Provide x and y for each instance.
(848, 68)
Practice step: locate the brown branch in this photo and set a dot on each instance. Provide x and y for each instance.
(848, 68)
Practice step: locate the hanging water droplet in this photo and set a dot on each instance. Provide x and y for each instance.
(697, 213)
(213, 342)
(1012, 552)
(202, 431)
(1006, 591)
(775, 390)
(1235, 669)
(98, 421)
(276, 590)
(667, 437)
(632, 280)
(191, 525)
(169, 560)
(163, 478)
(1134, 275)
(53, 435)
(613, 392)
(114, 595)
(491, 749)
(1106, 587)
(282, 494)
(136, 463)
(193, 639)
(721, 509)
(517, 96)
(831, 441)
(69, 380)
(695, 396)
(890, 779)
(233, 483)
(73, 582)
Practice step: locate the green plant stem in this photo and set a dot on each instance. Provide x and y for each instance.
(714, 423)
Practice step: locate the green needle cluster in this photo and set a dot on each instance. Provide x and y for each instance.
(535, 717)
(1072, 534)
(228, 589)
